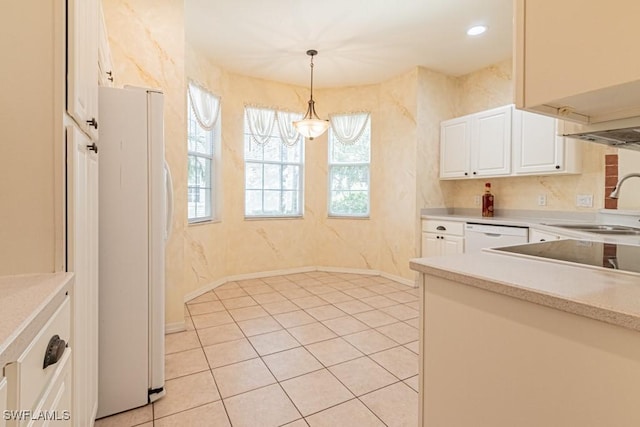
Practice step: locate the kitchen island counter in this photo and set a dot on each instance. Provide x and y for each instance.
(26, 303)
(508, 340)
(601, 294)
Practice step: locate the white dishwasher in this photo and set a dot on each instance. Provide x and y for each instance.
(479, 236)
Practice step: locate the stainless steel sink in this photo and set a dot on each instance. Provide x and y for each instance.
(616, 230)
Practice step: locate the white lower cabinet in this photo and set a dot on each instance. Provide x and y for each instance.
(3, 401)
(541, 236)
(39, 381)
(442, 238)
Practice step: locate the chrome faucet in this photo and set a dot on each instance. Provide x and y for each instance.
(616, 189)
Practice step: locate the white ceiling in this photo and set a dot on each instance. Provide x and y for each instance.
(359, 41)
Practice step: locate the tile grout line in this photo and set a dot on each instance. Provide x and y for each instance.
(303, 346)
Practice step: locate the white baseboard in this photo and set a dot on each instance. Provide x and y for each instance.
(171, 328)
(348, 270)
(259, 275)
(399, 279)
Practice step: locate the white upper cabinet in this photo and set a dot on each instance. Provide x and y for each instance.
(105, 65)
(575, 59)
(539, 148)
(505, 141)
(476, 145)
(82, 60)
(491, 142)
(454, 148)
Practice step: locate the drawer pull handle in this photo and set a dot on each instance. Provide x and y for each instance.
(54, 352)
(441, 228)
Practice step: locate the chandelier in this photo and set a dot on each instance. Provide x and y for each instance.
(311, 126)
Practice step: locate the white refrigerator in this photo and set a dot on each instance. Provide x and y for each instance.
(133, 228)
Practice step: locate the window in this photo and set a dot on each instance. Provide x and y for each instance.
(202, 135)
(349, 165)
(274, 159)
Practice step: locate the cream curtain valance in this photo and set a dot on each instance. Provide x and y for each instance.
(205, 106)
(262, 120)
(348, 128)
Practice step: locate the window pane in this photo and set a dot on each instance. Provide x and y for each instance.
(292, 154)
(272, 176)
(349, 203)
(200, 162)
(349, 177)
(358, 152)
(253, 176)
(273, 150)
(349, 167)
(272, 202)
(253, 202)
(290, 177)
(272, 180)
(252, 150)
(290, 202)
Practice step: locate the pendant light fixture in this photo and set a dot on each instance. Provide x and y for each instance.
(311, 126)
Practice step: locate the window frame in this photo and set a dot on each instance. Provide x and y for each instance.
(331, 140)
(274, 138)
(213, 159)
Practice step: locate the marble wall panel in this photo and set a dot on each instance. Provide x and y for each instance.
(147, 44)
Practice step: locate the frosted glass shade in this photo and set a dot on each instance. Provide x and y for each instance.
(311, 128)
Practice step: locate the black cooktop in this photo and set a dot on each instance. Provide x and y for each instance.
(596, 254)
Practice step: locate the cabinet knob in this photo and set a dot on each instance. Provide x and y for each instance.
(466, 174)
(93, 123)
(55, 350)
(475, 173)
(93, 147)
(557, 166)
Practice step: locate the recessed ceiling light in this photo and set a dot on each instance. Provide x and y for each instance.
(476, 30)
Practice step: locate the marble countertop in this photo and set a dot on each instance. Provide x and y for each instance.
(605, 295)
(27, 302)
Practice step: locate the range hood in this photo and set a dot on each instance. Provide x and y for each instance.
(624, 133)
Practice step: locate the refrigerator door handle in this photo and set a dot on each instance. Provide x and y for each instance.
(169, 195)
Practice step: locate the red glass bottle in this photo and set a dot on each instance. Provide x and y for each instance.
(487, 201)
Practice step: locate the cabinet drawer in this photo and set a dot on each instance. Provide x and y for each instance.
(27, 375)
(55, 406)
(452, 228)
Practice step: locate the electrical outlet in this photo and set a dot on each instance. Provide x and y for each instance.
(477, 200)
(584, 200)
(542, 200)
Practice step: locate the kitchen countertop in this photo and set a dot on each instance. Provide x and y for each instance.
(606, 295)
(27, 302)
(540, 220)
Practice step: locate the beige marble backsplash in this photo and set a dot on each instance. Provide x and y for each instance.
(492, 87)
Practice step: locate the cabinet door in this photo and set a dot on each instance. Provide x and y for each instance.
(454, 148)
(452, 245)
(491, 146)
(82, 209)
(82, 64)
(537, 148)
(3, 401)
(105, 66)
(431, 245)
(553, 69)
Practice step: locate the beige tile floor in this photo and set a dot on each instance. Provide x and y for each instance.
(308, 349)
